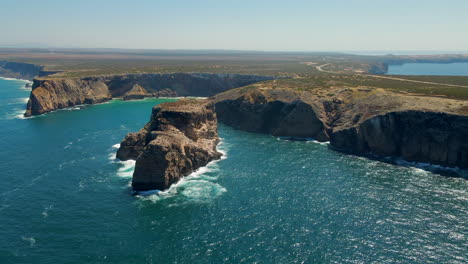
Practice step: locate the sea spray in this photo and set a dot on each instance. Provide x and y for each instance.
(198, 187)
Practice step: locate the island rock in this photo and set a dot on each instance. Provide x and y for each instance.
(180, 138)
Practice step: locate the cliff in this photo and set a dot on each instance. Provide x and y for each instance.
(50, 94)
(436, 138)
(180, 138)
(361, 121)
(19, 70)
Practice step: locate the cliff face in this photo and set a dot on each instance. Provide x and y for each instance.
(53, 94)
(280, 113)
(436, 138)
(19, 70)
(358, 121)
(180, 138)
(48, 95)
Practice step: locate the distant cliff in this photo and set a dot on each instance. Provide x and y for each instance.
(19, 70)
(358, 121)
(50, 94)
(180, 138)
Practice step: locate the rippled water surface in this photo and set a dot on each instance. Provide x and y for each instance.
(64, 199)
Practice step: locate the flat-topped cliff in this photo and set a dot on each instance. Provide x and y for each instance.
(179, 138)
(50, 94)
(358, 120)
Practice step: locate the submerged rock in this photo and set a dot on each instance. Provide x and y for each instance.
(180, 138)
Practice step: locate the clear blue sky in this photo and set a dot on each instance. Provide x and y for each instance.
(286, 25)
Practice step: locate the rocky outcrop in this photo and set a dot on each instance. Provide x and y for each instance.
(19, 70)
(360, 121)
(137, 92)
(180, 138)
(55, 93)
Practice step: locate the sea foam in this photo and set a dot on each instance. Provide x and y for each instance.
(198, 187)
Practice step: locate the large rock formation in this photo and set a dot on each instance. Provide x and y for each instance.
(50, 94)
(180, 138)
(361, 121)
(275, 112)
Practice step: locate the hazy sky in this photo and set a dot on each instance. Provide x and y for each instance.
(293, 25)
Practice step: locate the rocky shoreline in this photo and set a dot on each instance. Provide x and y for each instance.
(357, 120)
(182, 136)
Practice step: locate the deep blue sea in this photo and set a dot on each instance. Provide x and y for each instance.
(453, 69)
(65, 199)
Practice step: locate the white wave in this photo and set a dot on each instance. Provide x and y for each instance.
(127, 168)
(113, 153)
(188, 190)
(112, 156)
(68, 145)
(21, 100)
(422, 165)
(46, 210)
(197, 187)
(180, 97)
(73, 108)
(31, 240)
(14, 79)
(307, 140)
(15, 114)
(223, 149)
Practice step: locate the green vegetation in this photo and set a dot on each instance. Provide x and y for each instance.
(301, 69)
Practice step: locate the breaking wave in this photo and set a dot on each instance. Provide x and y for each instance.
(199, 187)
(307, 140)
(127, 168)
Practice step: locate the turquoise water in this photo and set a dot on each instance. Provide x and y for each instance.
(454, 69)
(64, 199)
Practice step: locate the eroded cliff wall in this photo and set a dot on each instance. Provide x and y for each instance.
(358, 121)
(436, 138)
(53, 93)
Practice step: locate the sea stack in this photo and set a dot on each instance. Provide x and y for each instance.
(180, 138)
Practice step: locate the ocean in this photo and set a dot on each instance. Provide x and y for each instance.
(65, 199)
(454, 69)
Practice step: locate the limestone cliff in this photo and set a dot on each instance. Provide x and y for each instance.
(180, 138)
(50, 94)
(361, 121)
